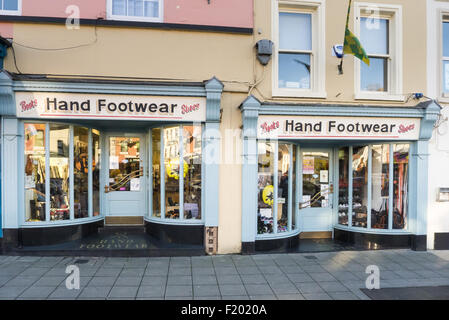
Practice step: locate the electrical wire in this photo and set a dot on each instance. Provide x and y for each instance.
(15, 60)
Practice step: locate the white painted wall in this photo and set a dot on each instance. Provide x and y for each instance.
(438, 212)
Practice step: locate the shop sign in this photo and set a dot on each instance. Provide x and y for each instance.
(337, 128)
(111, 107)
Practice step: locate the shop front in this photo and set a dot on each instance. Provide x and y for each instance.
(86, 156)
(356, 174)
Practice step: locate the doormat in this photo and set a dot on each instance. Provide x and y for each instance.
(409, 293)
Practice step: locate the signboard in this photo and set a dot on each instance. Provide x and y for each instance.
(337, 128)
(49, 105)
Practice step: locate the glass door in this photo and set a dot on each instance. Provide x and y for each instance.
(125, 188)
(316, 191)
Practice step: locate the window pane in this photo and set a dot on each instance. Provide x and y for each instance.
(124, 164)
(374, 35)
(119, 7)
(343, 181)
(446, 76)
(171, 164)
(265, 187)
(315, 180)
(375, 76)
(294, 200)
(400, 186)
(294, 71)
(80, 171)
(284, 164)
(380, 186)
(10, 4)
(359, 186)
(34, 172)
(446, 39)
(192, 175)
(59, 172)
(151, 8)
(295, 31)
(135, 8)
(96, 154)
(156, 135)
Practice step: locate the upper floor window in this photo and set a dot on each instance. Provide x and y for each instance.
(379, 28)
(137, 10)
(445, 58)
(299, 61)
(12, 7)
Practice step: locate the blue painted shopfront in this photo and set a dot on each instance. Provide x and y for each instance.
(291, 215)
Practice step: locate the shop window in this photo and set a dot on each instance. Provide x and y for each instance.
(81, 170)
(400, 185)
(137, 10)
(315, 180)
(380, 200)
(192, 178)
(299, 58)
(379, 30)
(10, 7)
(266, 197)
(124, 166)
(35, 172)
(284, 196)
(156, 173)
(343, 185)
(96, 162)
(380, 181)
(57, 175)
(177, 183)
(360, 186)
(59, 172)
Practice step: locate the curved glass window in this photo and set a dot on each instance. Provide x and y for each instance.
(377, 198)
(57, 175)
(176, 173)
(276, 187)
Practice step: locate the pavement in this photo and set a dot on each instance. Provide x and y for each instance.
(296, 276)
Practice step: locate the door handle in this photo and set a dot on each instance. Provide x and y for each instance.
(106, 189)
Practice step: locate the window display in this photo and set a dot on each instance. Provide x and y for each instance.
(315, 180)
(192, 178)
(48, 196)
(35, 172)
(265, 214)
(59, 172)
(172, 172)
(380, 155)
(96, 154)
(81, 170)
(283, 186)
(156, 167)
(343, 185)
(400, 185)
(360, 186)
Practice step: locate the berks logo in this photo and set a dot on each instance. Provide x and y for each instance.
(28, 106)
(267, 128)
(404, 129)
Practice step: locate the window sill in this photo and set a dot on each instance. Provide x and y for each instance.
(286, 93)
(10, 12)
(444, 98)
(379, 96)
(136, 19)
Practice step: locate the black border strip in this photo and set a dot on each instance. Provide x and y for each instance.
(132, 24)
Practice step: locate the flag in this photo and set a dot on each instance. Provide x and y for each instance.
(352, 44)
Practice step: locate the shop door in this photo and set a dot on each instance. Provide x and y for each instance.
(316, 190)
(125, 178)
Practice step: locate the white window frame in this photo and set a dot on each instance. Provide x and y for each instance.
(17, 12)
(318, 56)
(444, 17)
(110, 16)
(395, 76)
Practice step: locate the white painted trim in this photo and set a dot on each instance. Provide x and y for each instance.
(318, 57)
(60, 223)
(110, 16)
(373, 231)
(175, 221)
(395, 65)
(17, 12)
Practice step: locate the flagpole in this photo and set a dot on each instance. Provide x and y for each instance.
(340, 66)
